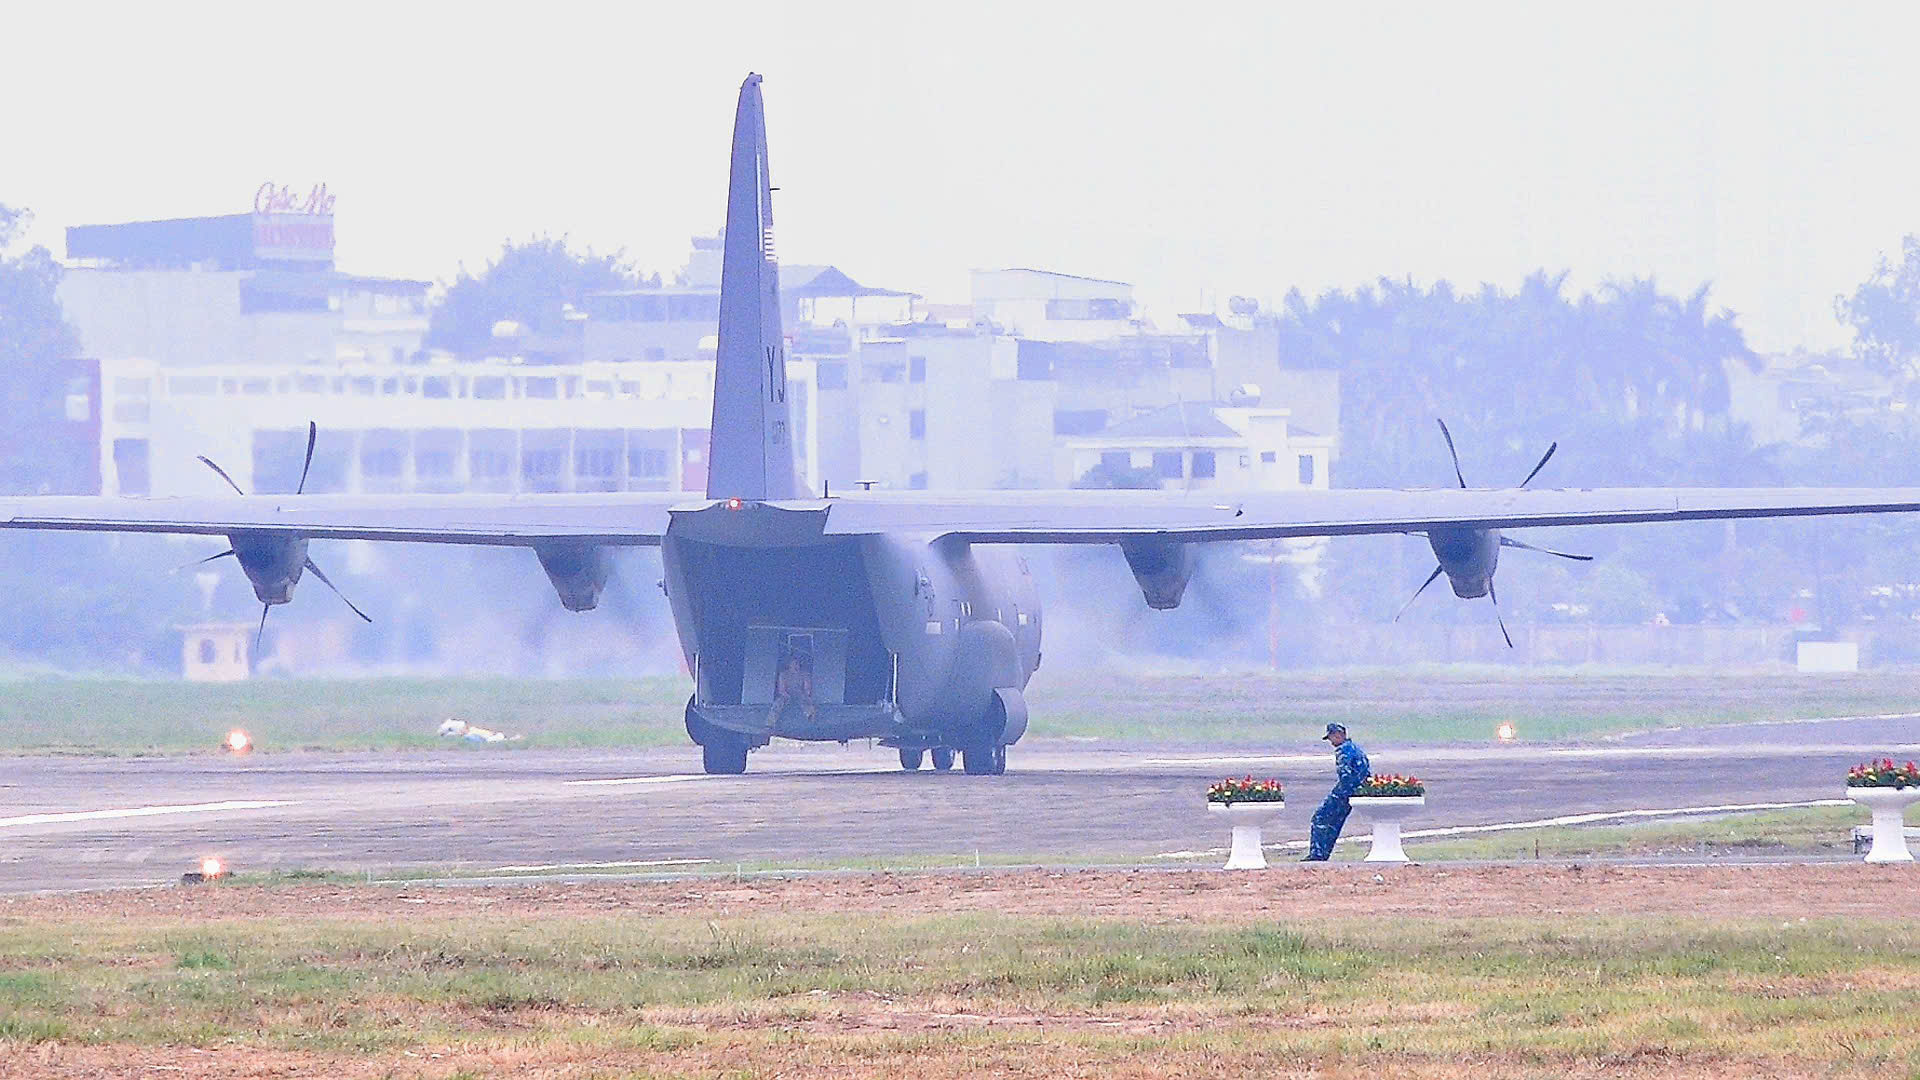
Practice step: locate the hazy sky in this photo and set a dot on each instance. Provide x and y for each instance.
(1224, 149)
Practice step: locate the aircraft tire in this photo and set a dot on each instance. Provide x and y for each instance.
(911, 756)
(942, 758)
(981, 760)
(724, 757)
(1000, 760)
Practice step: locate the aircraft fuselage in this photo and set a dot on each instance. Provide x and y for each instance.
(917, 642)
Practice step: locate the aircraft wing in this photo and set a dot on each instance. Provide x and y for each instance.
(1011, 517)
(1088, 517)
(620, 519)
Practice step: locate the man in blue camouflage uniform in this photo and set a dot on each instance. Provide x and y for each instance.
(1351, 769)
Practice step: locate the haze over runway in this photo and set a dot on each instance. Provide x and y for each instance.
(86, 822)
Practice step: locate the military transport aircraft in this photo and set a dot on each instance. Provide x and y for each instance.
(908, 617)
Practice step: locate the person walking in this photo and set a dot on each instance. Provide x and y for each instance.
(1351, 769)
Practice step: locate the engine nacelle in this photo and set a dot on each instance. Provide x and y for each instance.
(273, 563)
(1162, 568)
(578, 570)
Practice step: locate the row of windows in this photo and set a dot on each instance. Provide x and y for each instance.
(475, 387)
(663, 307)
(1171, 464)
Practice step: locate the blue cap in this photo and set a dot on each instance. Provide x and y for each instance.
(1331, 728)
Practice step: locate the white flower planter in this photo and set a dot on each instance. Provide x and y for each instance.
(1246, 819)
(1387, 812)
(1889, 806)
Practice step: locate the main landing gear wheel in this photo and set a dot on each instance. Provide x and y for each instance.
(724, 756)
(942, 758)
(985, 760)
(910, 757)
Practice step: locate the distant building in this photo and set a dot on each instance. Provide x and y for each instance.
(1203, 447)
(235, 289)
(432, 428)
(1042, 305)
(216, 652)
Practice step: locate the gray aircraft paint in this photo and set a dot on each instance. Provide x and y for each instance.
(751, 455)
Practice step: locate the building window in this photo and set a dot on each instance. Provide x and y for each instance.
(541, 388)
(489, 464)
(1203, 464)
(540, 469)
(596, 463)
(381, 463)
(207, 654)
(917, 424)
(1245, 461)
(1306, 470)
(1269, 457)
(647, 461)
(832, 375)
(918, 481)
(1116, 461)
(1097, 308)
(433, 463)
(916, 369)
(1166, 465)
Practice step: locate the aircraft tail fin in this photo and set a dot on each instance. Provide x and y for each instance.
(751, 453)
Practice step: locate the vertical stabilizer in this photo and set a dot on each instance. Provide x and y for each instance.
(751, 456)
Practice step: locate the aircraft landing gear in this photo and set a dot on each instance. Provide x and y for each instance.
(724, 756)
(942, 758)
(722, 752)
(910, 757)
(985, 760)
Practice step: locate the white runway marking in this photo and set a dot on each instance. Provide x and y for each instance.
(1511, 753)
(1769, 723)
(140, 811)
(596, 865)
(1548, 823)
(676, 778)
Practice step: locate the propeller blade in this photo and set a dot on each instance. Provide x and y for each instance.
(336, 591)
(1495, 597)
(1551, 447)
(262, 632)
(1416, 594)
(313, 435)
(208, 559)
(1524, 546)
(208, 462)
(1451, 452)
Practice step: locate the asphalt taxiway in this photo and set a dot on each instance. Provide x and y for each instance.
(71, 822)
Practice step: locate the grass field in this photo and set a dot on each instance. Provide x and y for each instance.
(1169, 707)
(687, 980)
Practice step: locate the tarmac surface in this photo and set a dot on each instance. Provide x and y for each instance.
(101, 822)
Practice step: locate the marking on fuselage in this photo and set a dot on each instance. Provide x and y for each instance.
(141, 811)
(673, 778)
(935, 628)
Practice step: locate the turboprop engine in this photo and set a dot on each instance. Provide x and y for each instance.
(1162, 568)
(577, 570)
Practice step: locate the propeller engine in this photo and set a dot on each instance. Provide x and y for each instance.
(273, 562)
(578, 571)
(1469, 556)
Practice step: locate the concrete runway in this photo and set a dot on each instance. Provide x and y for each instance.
(78, 822)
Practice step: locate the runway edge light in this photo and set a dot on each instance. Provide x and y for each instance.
(238, 742)
(211, 869)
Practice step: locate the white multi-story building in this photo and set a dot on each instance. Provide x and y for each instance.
(430, 428)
